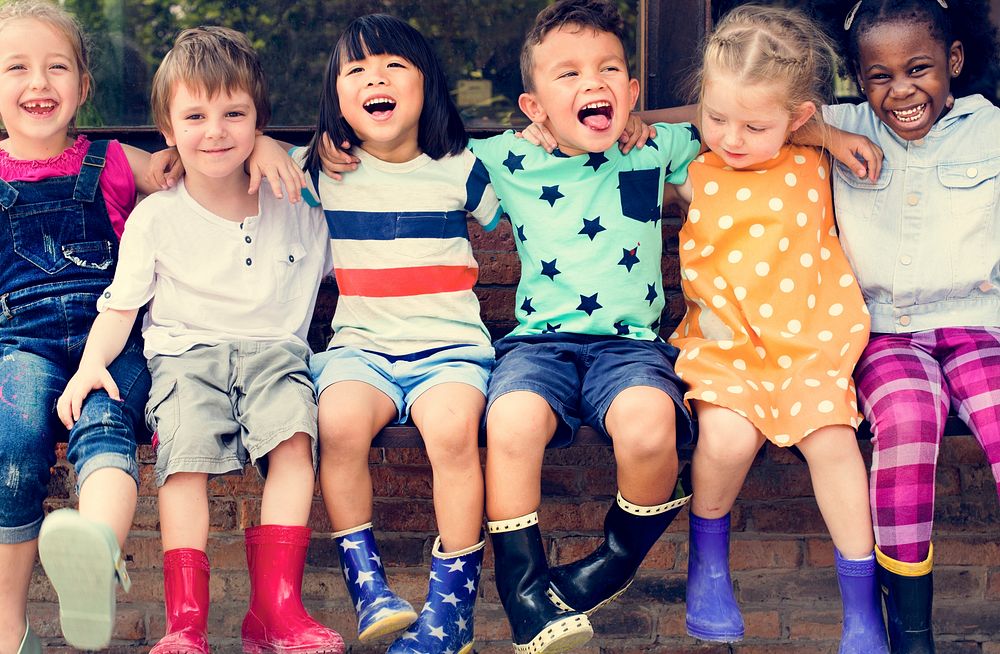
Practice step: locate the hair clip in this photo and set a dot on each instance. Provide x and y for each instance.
(852, 13)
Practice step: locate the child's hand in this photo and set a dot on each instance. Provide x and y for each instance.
(88, 378)
(336, 160)
(270, 160)
(165, 168)
(858, 153)
(538, 134)
(636, 134)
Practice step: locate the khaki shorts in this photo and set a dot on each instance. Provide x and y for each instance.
(215, 408)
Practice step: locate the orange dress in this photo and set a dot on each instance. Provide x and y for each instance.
(775, 319)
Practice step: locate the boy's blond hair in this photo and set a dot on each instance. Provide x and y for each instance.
(49, 12)
(596, 15)
(771, 45)
(211, 59)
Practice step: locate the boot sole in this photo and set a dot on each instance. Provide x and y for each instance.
(711, 637)
(78, 560)
(387, 626)
(560, 635)
(554, 597)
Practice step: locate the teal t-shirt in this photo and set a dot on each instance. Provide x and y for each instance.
(587, 230)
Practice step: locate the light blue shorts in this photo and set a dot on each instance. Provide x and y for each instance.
(403, 379)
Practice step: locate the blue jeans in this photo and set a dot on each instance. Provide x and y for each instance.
(41, 342)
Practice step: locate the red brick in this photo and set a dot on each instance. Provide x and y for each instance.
(752, 554)
(970, 550)
(814, 625)
(961, 450)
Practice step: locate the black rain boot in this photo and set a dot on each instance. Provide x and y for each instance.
(522, 576)
(630, 531)
(908, 589)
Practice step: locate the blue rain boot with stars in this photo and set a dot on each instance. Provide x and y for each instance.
(380, 611)
(445, 622)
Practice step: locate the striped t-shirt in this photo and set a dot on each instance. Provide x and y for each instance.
(401, 250)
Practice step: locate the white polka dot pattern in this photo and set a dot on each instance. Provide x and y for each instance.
(762, 263)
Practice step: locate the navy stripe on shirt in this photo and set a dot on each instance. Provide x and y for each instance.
(389, 225)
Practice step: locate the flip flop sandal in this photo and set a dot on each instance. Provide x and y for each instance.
(84, 564)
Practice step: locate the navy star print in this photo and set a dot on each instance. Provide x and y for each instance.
(595, 160)
(513, 162)
(622, 328)
(695, 136)
(629, 258)
(550, 328)
(652, 144)
(592, 227)
(520, 233)
(549, 269)
(550, 194)
(589, 304)
(526, 306)
(651, 293)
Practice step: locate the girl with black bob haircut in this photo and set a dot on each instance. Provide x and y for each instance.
(441, 131)
(408, 339)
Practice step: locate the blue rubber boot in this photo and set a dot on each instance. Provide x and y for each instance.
(445, 622)
(380, 611)
(712, 612)
(864, 630)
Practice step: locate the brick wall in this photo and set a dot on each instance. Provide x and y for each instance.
(782, 557)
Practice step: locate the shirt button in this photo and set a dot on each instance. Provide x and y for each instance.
(912, 199)
(971, 172)
(291, 258)
(904, 320)
(107, 294)
(249, 261)
(247, 239)
(905, 260)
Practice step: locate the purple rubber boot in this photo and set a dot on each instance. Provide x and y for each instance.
(864, 630)
(712, 612)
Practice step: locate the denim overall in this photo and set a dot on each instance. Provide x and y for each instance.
(58, 252)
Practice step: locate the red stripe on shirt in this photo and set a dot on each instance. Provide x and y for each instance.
(401, 282)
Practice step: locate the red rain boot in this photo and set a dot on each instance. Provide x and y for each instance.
(276, 622)
(185, 591)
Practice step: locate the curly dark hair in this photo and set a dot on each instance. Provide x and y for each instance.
(967, 21)
(599, 15)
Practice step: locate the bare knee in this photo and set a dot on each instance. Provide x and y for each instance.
(642, 425)
(726, 439)
(451, 437)
(519, 423)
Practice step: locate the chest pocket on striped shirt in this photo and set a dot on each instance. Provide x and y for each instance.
(421, 235)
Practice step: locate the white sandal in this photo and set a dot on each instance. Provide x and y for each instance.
(85, 565)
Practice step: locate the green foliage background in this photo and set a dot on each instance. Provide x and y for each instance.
(474, 38)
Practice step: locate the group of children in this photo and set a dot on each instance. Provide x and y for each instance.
(786, 311)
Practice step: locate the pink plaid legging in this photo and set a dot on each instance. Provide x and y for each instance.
(906, 384)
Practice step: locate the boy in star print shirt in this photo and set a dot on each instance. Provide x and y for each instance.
(586, 348)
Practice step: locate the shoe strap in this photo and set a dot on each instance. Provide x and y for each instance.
(640, 510)
(122, 573)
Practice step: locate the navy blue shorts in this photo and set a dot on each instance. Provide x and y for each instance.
(580, 376)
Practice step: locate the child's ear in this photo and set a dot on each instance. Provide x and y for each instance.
(956, 58)
(168, 136)
(532, 108)
(802, 114)
(84, 90)
(633, 93)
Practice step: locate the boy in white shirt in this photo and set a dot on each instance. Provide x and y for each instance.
(230, 280)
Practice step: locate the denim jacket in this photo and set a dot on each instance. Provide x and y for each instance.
(924, 239)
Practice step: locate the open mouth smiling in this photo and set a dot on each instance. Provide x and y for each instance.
(39, 107)
(380, 107)
(911, 115)
(596, 115)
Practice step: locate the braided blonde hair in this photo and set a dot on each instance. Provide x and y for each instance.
(771, 45)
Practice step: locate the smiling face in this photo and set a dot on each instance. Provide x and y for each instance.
(41, 88)
(582, 90)
(214, 135)
(747, 124)
(906, 76)
(381, 98)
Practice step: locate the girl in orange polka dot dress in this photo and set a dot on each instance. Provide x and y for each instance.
(775, 319)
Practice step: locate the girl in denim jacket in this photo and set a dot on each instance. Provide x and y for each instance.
(924, 242)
